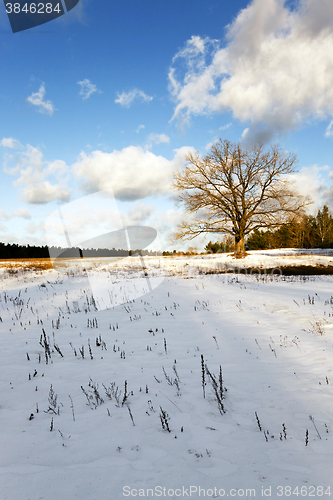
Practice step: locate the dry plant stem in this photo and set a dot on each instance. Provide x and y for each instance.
(164, 417)
(218, 391)
(72, 407)
(258, 421)
(203, 375)
(130, 414)
(312, 420)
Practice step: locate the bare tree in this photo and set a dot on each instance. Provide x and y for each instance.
(235, 190)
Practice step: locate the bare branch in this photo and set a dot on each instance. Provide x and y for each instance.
(235, 190)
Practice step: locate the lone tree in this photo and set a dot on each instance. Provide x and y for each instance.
(236, 190)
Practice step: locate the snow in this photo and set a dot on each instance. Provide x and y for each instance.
(271, 335)
(265, 259)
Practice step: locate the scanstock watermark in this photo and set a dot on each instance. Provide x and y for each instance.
(197, 491)
(255, 271)
(91, 224)
(24, 14)
(184, 492)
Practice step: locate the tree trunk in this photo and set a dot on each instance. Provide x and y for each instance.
(239, 246)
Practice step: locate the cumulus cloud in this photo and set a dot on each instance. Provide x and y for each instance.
(58, 168)
(327, 197)
(131, 173)
(163, 222)
(8, 142)
(274, 72)
(127, 98)
(85, 218)
(311, 182)
(87, 88)
(44, 192)
(157, 139)
(22, 213)
(166, 221)
(40, 181)
(138, 214)
(37, 99)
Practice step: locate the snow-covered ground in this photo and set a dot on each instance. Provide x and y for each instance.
(271, 259)
(93, 422)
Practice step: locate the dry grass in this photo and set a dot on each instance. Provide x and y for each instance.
(170, 265)
(14, 266)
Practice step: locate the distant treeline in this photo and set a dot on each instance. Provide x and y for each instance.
(308, 231)
(14, 251)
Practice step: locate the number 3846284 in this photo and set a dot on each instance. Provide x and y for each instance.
(32, 8)
(304, 491)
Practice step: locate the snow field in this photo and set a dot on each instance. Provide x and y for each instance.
(263, 332)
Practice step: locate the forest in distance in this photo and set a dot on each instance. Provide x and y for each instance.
(306, 232)
(14, 251)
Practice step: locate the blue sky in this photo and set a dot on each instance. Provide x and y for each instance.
(114, 94)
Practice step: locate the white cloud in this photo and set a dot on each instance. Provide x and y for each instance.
(275, 71)
(32, 228)
(44, 192)
(84, 218)
(131, 173)
(245, 133)
(225, 127)
(310, 182)
(22, 213)
(329, 130)
(137, 215)
(212, 143)
(58, 168)
(37, 99)
(8, 142)
(87, 88)
(126, 98)
(165, 223)
(33, 174)
(157, 139)
(140, 127)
